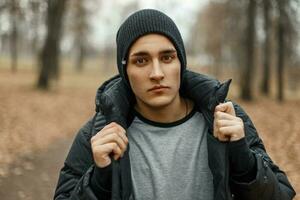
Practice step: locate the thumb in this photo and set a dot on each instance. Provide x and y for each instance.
(221, 107)
(226, 107)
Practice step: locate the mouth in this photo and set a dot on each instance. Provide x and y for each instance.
(158, 88)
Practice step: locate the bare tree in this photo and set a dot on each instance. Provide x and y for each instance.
(286, 39)
(265, 84)
(248, 69)
(14, 33)
(35, 22)
(50, 53)
(212, 20)
(281, 48)
(80, 29)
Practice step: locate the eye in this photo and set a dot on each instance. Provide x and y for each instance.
(167, 58)
(140, 61)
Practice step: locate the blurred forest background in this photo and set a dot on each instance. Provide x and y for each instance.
(54, 54)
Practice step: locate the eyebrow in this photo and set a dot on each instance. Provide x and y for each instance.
(145, 53)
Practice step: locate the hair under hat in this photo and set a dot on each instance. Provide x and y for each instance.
(144, 22)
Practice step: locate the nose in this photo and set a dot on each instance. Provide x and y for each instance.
(157, 72)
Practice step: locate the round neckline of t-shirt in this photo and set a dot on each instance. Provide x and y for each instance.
(163, 124)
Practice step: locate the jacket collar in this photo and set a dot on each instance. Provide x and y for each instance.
(115, 100)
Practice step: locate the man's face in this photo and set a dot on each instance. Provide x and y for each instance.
(153, 71)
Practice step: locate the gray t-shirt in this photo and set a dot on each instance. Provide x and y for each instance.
(169, 160)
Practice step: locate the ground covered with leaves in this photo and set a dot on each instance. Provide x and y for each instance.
(37, 125)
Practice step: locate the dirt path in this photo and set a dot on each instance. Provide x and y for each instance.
(36, 177)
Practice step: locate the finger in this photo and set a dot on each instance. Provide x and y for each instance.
(117, 152)
(222, 137)
(108, 148)
(229, 130)
(219, 135)
(103, 156)
(117, 130)
(116, 125)
(102, 132)
(221, 107)
(222, 115)
(112, 124)
(215, 131)
(111, 138)
(225, 123)
(226, 136)
(111, 130)
(226, 107)
(104, 149)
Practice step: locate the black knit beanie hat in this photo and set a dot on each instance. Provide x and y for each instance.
(141, 23)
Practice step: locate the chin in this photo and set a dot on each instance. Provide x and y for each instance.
(159, 102)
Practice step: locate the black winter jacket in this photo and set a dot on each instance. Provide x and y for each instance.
(114, 102)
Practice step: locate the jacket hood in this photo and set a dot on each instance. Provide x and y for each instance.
(115, 100)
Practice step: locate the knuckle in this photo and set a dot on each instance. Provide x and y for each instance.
(114, 145)
(215, 115)
(113, 123)
(113, 134)
(119, 150)
(220, 137)
(122, 151)
(92, 139)
(118, 130)
(241, 128)
(122, 129)
(221, 131)
(95, 151)
(113, 129)
(116, 126)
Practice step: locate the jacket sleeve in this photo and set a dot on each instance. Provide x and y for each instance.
(270, 182)
(75, 177)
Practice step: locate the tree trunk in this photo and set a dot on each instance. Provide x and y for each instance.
(265, 86)
(281, 50)
(35, 4)
(49, 56)
(80, 57)
(247, 74)
(81, 31)
(13, 35)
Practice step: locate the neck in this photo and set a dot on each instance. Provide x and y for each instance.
(172, 112)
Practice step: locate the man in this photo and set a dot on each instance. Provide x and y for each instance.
(163, 132)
